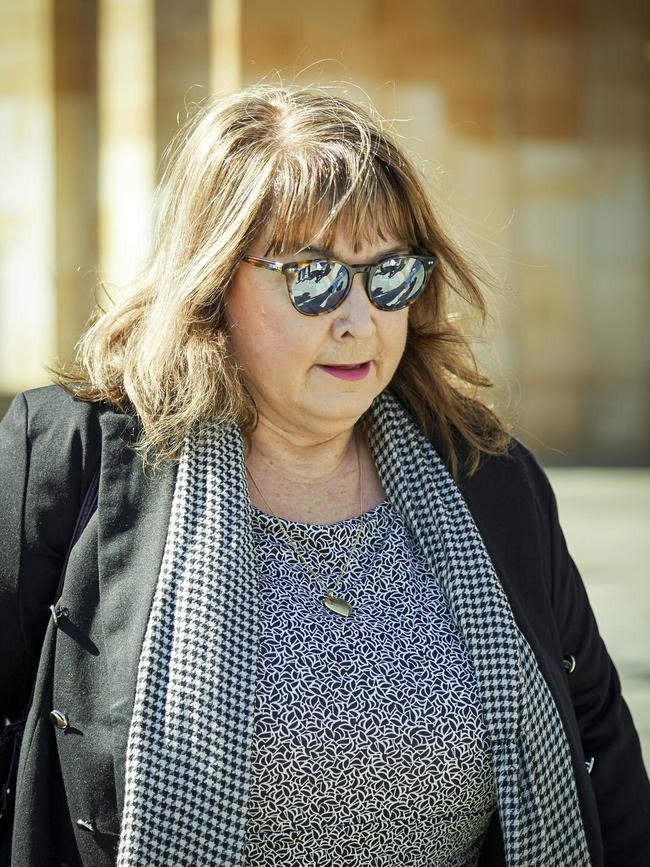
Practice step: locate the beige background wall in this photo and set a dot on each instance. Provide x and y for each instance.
(529, 120)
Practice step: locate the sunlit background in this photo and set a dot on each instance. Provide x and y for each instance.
(530, 123)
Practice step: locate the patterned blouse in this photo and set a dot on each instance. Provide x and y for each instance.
(369, 744)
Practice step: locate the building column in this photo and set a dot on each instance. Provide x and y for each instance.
(182, 64)
(127, 149)
(75, 146)
(27, 297)
(226, 45)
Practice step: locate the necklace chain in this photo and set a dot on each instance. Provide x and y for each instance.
(328, 590)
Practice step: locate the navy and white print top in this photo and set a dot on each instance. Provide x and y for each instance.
(369, 746)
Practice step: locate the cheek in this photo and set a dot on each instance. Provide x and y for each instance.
(394, 334)
(262, 333)
(248, 317)
(255, 341)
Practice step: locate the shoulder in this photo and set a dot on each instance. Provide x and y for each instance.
(509, 490)
(515, 471)
(51, 405)
(53, 431)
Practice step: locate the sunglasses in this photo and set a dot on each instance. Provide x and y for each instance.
(319, 286)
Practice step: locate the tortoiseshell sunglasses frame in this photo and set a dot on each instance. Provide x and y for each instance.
(290, 270)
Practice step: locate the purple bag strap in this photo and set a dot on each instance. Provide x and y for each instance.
(88, 506)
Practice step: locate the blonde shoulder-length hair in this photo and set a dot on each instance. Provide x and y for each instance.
(296, 161)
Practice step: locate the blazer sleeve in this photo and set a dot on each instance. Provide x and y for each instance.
(45, 457)
(608, 734)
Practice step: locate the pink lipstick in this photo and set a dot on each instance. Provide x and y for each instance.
(347, 371)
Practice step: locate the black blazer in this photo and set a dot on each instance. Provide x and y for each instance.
(50, 445)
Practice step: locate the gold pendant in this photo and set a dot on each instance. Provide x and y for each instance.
(337, 605)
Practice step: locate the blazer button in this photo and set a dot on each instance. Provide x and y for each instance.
(589, 764)
(569, 663)
(87, 825)
(59, 719)
(57, 613)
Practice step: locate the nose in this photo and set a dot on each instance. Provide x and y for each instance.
(356, 315)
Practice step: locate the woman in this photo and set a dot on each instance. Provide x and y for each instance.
(324, 612)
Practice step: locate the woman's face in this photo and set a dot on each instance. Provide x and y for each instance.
(285, 354)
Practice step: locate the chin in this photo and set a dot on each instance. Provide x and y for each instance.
(344, 407)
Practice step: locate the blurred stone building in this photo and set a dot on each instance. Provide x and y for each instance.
(529, 120)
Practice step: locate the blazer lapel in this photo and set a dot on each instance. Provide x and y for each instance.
(133, 516)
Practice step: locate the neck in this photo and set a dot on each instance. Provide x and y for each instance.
(300, 459)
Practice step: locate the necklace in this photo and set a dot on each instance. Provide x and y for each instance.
(335, 604)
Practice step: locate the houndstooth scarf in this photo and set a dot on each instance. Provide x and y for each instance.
(189, 748)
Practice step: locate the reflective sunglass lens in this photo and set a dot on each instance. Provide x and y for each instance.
(397, 282)
(318, 287)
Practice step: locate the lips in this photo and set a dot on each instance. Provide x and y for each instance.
(354, 366)
(347, 371)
